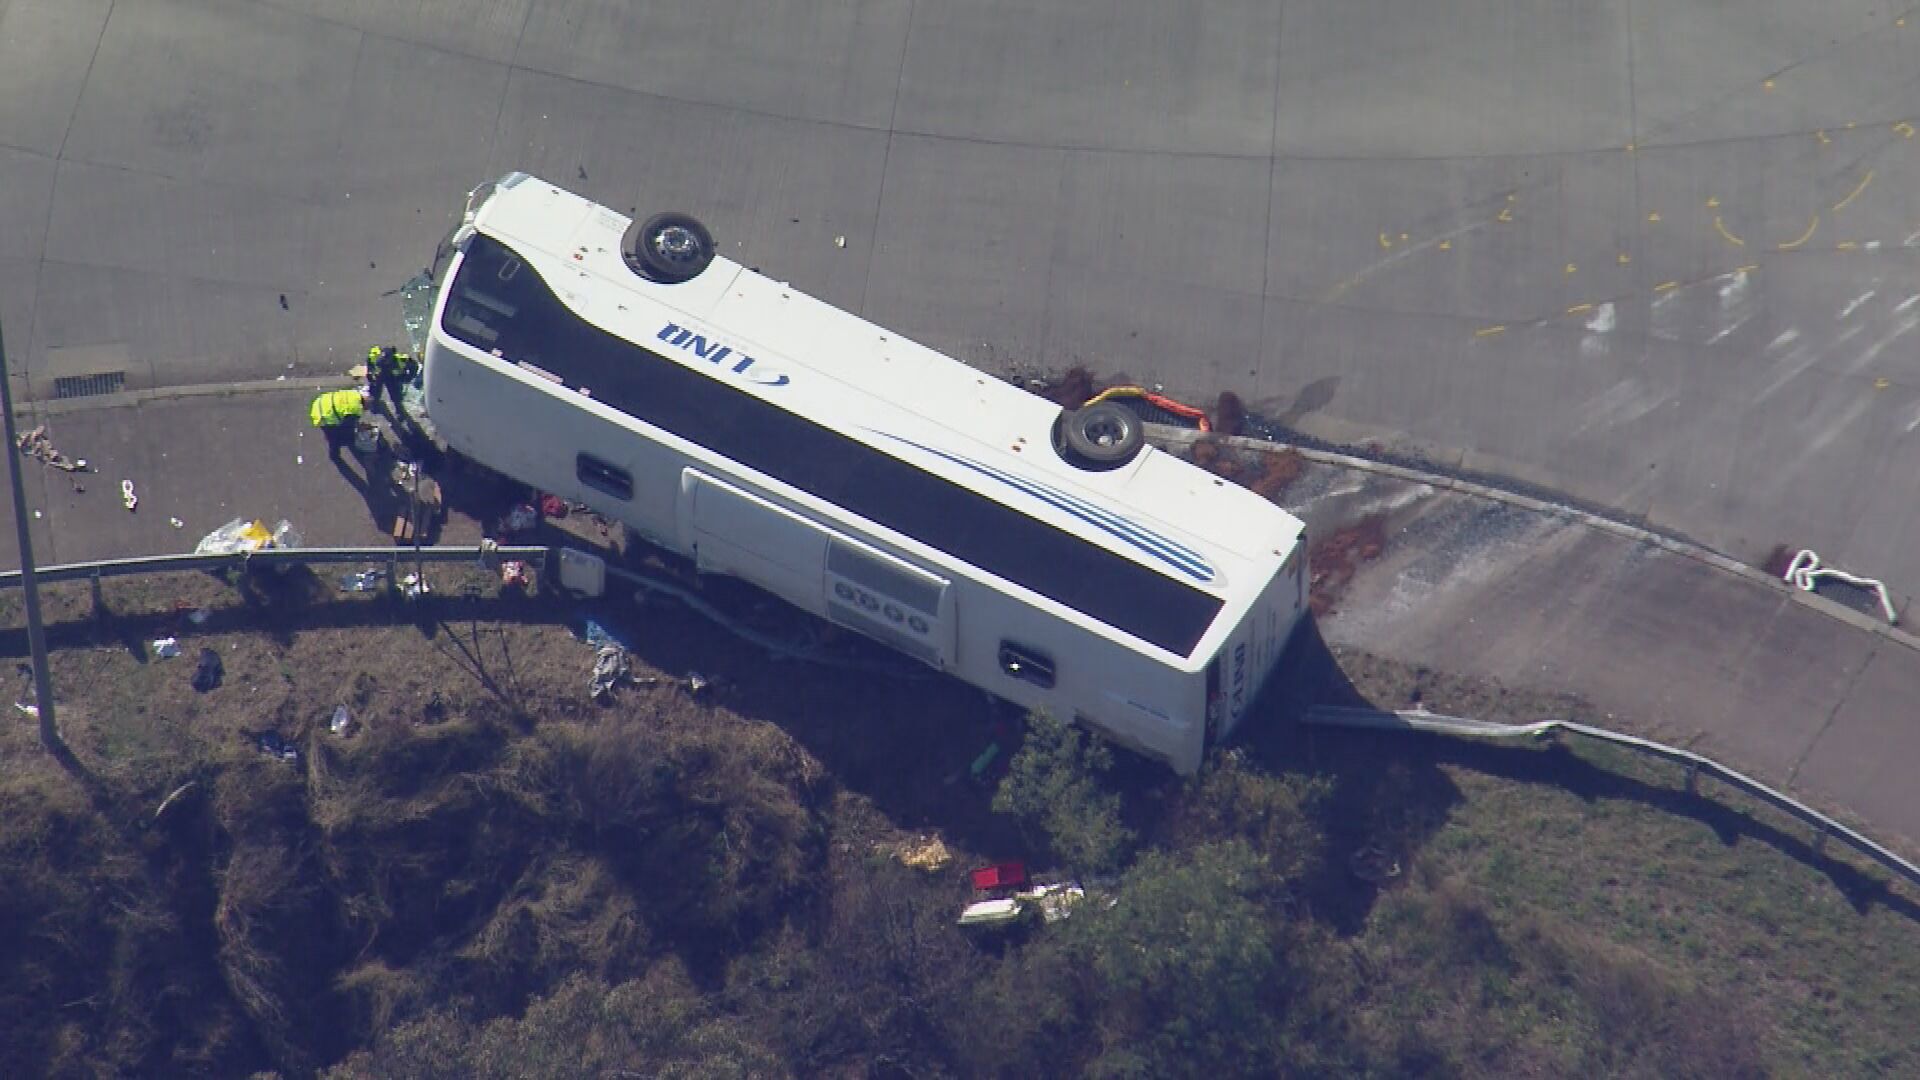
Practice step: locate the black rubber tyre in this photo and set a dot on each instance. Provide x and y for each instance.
(1103, 436)
(668, 248)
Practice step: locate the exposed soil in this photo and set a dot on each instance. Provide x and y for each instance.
(1336, 558)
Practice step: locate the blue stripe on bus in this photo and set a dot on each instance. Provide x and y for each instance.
(1175, 554)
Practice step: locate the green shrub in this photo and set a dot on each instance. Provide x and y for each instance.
(1053, 786)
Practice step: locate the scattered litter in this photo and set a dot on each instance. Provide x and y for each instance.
(698, 683)
(199, 616)
(1373, 865)
(30, 710)
(553, 506)
(1052, 902)
(127, 497)
(38, 514)
(839, 241)
(166, 648)
(1006, 875)
(342, 722)
(929, 854)
(363, 580)
(979, 769)
(1805, 571)
(272, 742)
(210, 671)
(413, 585)
(513, 574)
(241, 535)
(611, 667)
(520, 519)
(990, 912)
(366, 439)
(597, 634)
(38, 444)
(176, 523)
(299, 459)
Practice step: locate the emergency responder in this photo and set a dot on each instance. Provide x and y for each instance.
(388, 372)
(337, 414)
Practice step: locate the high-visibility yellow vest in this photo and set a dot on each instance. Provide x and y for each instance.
(335, 407)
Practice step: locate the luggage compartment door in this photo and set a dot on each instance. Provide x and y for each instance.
(729, 531)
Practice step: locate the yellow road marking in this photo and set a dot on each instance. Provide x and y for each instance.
(1666, 286)
(1446, 245)
(1905, 129)
(1579, 309)
(1571, 268)
(1655, 216)
(1747, 269)
(1822, 136)
(1488, 331)
(1845, 245)
(1881, 383)
(1731, 239)
(1384, 242)
(1855, 193)
(1805, 236)
(1768, 85)
(1622, 259)
(1506, 214)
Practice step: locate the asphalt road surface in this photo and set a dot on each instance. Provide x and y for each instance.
(1659, 255)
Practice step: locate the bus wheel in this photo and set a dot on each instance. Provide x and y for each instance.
(1102, 436)
(668, 248)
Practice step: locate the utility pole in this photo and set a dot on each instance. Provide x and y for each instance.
(36, 632)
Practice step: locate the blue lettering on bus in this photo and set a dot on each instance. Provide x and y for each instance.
(715, 353)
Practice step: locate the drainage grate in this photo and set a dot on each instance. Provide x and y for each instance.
(74, 386)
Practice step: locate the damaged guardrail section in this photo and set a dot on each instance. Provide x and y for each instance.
(1433, 723)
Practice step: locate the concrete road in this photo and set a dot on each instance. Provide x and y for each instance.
(1664, 645)
(1660, 255)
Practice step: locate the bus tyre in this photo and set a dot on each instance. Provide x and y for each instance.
(1102, 436)
(668, 248)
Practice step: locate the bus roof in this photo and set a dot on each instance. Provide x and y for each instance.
(897, 396)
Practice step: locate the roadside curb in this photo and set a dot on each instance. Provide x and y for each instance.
(1166, 435)
(130, 398)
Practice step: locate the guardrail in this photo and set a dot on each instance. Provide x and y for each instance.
(1434, 723)
(163, 564)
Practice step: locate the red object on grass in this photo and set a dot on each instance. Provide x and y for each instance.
(1007, 875)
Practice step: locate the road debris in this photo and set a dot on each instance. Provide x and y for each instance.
(611, 667)
(166, 648)
(275, 744)
(926, 853)
(363, 580)
(1804, 573)
(341, 723)
(1052, 903)
(37, 444)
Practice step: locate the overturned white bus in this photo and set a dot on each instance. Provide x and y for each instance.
(1046, 556)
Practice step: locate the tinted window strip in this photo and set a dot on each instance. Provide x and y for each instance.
(864, 481)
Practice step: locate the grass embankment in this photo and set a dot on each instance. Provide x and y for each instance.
(493, 876)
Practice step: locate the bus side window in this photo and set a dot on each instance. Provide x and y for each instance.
(601, 476)
(1022, 662)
